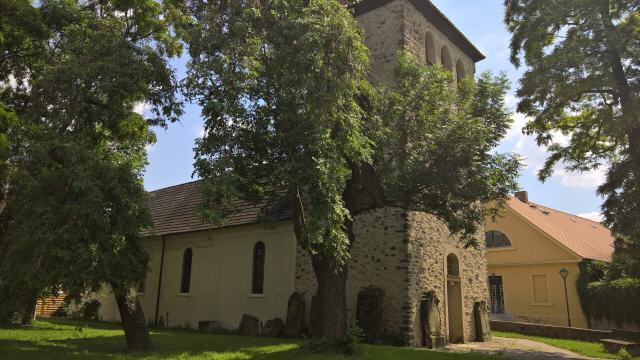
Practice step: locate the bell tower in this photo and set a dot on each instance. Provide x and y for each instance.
(417, 26)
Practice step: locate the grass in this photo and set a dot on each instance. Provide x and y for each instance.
(63, 339)
(590, 349)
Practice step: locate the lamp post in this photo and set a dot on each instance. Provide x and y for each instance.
(564, 273)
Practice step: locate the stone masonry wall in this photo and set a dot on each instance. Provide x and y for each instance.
(378, 258)
(429, 244)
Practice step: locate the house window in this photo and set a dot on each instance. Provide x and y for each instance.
(496, 239)
(540, 289)
(257, 281)
(185, 284)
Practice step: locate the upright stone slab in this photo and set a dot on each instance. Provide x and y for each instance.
(273, 328)
(295, 316)
(369, 310)
(480, 313)
(430, 323)
(249, 326)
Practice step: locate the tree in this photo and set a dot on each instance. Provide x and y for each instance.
(582, 80)
(290, 117)
(74, 200)
(278, 83)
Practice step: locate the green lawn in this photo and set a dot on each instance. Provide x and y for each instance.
(58, 339)
(591, 349)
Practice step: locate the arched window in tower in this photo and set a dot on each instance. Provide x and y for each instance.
(453, 267)
(445, 58)
(429, 49)
(460, 72)
(496, 239)
(257, 281)
(185, 284)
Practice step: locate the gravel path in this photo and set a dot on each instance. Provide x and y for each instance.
(518, 349)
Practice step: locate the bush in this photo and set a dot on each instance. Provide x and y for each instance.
(614, 300)
(89, 310)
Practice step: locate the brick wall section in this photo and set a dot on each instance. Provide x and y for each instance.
(429, 244)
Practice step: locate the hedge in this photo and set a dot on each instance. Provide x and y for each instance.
(617, 300)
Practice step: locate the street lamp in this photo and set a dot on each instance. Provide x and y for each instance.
(564, 273)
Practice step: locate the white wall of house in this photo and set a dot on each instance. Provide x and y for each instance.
(221, 276)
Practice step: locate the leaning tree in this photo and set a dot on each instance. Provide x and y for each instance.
(582, 79)
(290, 116)
(73, 201)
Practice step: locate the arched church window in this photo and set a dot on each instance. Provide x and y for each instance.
(257, 282)
(445, 58)
(453, 267)
(185, 284)
(429, 49)
(496, 239)
(460, 72)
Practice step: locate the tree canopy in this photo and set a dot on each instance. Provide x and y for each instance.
(290, 117)
(582, 79)
(72, 73)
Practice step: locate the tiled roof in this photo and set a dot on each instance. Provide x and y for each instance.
(174, 210)
(435, 17)
(586, 238)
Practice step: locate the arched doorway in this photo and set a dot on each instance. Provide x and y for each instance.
(454, 301)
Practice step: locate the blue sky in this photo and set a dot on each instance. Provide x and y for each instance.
(171, 158)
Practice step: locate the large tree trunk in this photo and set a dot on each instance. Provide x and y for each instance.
(133, 321)
(29, 312)
(329, 306)
(362, 192)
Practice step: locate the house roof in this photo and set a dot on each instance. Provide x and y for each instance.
(435, 17)
(174, 210)
(586, 238)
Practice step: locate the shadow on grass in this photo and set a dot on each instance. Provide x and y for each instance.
(181, 344)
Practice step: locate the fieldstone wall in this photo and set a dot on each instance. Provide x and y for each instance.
(383, 35)
(404, 253)
(399, 25)
(379, 258)
(429, 244)
(415, 29)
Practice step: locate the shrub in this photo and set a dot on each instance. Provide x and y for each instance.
(614, 300)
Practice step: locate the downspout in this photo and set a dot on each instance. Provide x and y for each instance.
(160, 280)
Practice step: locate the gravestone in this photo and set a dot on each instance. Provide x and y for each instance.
(369, 312)
(295, 316)
(430, 322)
(480, 313)
(273, 328)
(249, 326)
(210, 326)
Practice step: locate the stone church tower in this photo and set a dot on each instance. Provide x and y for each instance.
(406, 269)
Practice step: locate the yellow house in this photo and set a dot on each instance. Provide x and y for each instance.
(527, 247)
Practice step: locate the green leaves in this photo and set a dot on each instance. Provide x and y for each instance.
(278, 83)
(583, 81)
(436, 152)
(71, 76)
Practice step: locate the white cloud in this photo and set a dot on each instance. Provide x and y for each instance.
(141, 107)
(534, 157)
(594, 215)
(201, 132)
(150, 147)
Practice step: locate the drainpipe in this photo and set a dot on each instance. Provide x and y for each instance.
(160, 280)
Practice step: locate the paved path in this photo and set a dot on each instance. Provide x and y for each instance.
(518, 349)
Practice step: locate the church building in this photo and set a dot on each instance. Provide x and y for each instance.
(409, 279)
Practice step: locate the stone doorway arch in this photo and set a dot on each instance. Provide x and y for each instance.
(455, 313)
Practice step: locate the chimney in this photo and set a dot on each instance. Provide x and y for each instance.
(522, 196)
